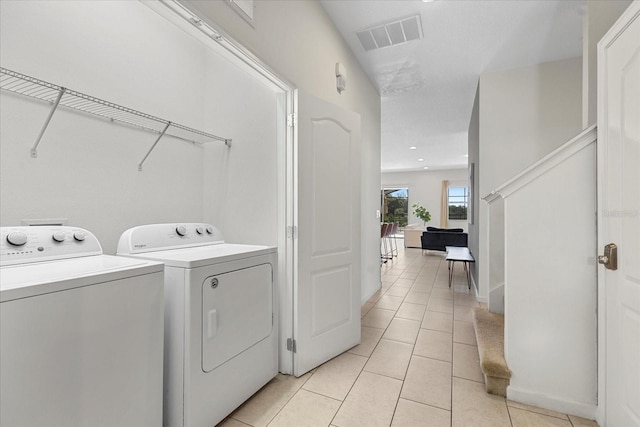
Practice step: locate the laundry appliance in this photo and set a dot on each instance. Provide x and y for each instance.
(81, 333)
(221, 319)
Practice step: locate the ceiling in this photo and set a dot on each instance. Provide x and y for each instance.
(428, 86)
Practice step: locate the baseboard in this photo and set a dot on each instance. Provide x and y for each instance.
(371, 294)
(583, 410)
(496, 299)
(484, 300)
(600, 416)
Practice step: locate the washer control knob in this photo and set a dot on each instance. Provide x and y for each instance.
(181, 230)
(59, 236)
(17, 238)
(79, 235)
(199, 230)
(209, 229)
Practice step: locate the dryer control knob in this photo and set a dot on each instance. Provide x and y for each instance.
(199, 230)
(79, 235)
(17, 238)
(209, 230)
(181, 230)
(59, 236)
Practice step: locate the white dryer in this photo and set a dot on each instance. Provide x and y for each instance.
(81, 333)
(221, 334)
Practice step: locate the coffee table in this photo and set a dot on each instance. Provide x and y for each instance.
(459, 254)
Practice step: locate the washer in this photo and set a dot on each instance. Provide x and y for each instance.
(81, 333)
(221, 335)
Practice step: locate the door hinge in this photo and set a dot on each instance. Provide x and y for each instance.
(291, 344)
(292, 232)
(292, 119)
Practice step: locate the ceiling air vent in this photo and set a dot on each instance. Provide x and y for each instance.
(391, 33)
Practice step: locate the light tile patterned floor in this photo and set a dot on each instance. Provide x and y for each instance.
(417, 365)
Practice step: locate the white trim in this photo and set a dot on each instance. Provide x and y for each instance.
(479, 298)
(365, 299)
(626, 19)
(214, 32)
(237, 7)
(551, 160)
(497, 290)
(555, 404)
(491, 196)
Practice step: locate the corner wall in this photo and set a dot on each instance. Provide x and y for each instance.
(524, 114)
(474, 158)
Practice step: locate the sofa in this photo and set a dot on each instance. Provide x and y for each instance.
(436, 239)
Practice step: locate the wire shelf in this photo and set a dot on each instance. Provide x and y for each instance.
(60, 96)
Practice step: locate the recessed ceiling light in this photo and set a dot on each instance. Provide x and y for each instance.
(421, 160)
(426, 167)
(466, 155)
(413, 148)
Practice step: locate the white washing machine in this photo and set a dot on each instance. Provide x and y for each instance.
(81, 333)
(221, 333)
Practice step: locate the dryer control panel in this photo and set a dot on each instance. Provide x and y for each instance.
(21, 245)
(158, 237)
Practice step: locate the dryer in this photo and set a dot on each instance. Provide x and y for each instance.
(81, 333)
(221, 333)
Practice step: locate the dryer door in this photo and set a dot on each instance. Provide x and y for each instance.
(237, 312)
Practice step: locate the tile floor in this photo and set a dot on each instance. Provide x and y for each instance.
(417, 365)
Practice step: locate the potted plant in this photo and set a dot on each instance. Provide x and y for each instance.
(421, 212)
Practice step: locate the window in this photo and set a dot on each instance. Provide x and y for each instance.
(395, 205)
(458, 203)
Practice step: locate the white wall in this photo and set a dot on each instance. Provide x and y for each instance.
(550, 288)
(298, 40)
(242, 182)
(86, 170)
(525, 113)
(425, 187)
(496, 254)
(473, 148)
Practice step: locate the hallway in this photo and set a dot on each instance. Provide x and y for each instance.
(417, 365)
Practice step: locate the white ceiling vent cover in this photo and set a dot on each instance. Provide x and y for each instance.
(391, 33)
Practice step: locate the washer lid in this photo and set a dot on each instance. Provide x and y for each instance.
(199, 256)
(26, 280)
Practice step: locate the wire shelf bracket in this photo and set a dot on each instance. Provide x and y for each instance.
(59, 96)
(34, 149)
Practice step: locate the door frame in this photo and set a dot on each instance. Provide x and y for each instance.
(188, 17)
(607, 40)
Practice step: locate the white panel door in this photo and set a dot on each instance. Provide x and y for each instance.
(619, 216)
(327, 288)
